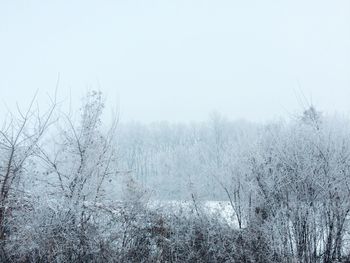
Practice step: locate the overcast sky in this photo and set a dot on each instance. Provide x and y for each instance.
(179, 60)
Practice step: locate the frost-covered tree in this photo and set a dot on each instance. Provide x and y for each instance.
(20, 139)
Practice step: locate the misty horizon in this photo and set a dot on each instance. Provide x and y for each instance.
(179, 60)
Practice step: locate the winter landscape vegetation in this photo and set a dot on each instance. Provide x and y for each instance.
(74, 189)
(174, 131)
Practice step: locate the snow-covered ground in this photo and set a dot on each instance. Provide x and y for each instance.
(221, 209)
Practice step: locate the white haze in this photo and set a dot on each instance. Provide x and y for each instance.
(179, 60)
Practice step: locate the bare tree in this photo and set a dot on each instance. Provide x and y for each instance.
(80, 163)
(20, 138)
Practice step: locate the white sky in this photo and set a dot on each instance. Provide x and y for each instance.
(179, 60)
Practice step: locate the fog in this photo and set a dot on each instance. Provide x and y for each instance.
(179, 60)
